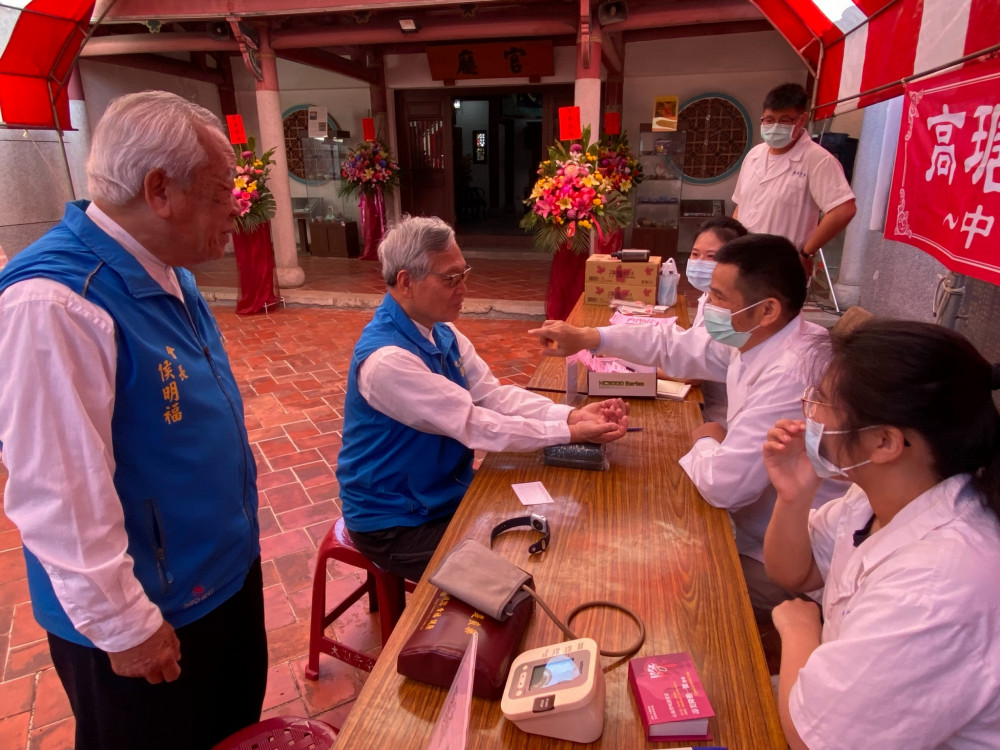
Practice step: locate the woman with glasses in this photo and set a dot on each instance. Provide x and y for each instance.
(906, 651)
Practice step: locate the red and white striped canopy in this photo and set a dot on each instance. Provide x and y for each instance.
(861, 50)
(39, 41)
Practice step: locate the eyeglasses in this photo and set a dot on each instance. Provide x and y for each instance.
(780, 121)
(810, 402)
(452, 280)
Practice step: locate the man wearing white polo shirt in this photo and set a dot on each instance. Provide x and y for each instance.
(787, 181)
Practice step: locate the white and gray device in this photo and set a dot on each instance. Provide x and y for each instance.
(557, 691)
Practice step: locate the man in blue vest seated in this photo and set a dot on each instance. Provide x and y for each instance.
(420, 401)
(131, 477)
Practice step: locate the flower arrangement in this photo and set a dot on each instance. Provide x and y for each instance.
(369, 167)
(618, 164)
(257, 204)
(571, 196)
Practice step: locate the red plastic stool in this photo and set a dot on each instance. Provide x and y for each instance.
(386, 595)
(286, 732)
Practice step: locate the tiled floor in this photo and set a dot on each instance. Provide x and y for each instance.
(292, 368)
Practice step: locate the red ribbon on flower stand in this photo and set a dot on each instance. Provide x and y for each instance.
(612, 242)
(566, 281)
(255, 263)
(372, 220)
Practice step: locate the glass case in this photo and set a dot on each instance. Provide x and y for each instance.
(658, 196)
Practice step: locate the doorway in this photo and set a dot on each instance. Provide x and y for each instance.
(470, 155)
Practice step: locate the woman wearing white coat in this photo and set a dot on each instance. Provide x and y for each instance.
(907, 653)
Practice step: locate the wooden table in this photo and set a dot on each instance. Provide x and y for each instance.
(638, 534)
(551, 372)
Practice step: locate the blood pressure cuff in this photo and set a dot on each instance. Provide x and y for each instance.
(482, 579)
(435, 650)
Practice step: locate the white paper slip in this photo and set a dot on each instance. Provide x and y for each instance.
(532, 493)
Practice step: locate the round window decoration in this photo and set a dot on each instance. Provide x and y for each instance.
(309, 161)
(718, 137)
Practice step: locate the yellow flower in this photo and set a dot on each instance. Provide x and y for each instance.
(258, 163)
(564, 203)
(240, 182)
(584, 223)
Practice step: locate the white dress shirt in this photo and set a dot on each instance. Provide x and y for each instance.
(785, 193)
(486, 416)
(58, 359)
(763, 385)
(910, 654)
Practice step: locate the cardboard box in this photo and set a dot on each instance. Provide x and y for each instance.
(596, 293)
(638, 384)
(605, 270)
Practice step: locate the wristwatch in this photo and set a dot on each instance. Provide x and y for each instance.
(804, 254)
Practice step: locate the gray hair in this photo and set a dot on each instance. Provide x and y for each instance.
(142, 132)
(409, 243)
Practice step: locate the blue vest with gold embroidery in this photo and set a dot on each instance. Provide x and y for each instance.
(184, 472)
(391, 474)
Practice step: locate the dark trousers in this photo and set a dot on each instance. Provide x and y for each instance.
(220, 690)
(403, 550)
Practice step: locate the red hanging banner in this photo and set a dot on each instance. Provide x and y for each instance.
(368, 128)
(945, 196)
(236, 133)
(569, 124)
(612, 123)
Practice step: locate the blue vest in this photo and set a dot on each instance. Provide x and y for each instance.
(184, 472)
(391, 474)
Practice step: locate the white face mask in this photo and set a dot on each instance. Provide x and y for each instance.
(824, 467)
(777, 135)
(719, 324)
(699, 273)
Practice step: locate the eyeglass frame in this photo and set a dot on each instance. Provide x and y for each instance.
(809, 405)
(779, 121)
(452, 280)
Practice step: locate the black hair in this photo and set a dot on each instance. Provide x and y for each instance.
(926, 378)
(768, 266)
(786, 96)
(724, 227)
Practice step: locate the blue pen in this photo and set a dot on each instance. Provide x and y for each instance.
(700, 748)
(635, 429)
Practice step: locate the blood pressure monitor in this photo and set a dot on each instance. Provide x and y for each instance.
(557, 691)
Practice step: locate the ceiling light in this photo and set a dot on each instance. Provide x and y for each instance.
(457, 104)
(408, 26)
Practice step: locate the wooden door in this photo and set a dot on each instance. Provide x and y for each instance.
(424, 125)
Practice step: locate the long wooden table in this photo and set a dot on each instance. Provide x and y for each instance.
(551, 372)
(638, 534)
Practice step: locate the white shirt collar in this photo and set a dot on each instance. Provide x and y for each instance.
(163, 274)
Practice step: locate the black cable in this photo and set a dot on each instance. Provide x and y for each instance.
(564, 627)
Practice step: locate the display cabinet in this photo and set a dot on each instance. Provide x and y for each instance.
(658, 196)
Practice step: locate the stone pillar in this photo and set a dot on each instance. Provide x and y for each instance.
(587, 95)
(872, 172)
(77, 143)
(290, 274)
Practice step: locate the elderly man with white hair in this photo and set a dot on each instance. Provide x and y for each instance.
(420, 401)
(131, 477)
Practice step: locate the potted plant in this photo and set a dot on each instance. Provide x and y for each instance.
(368, 172)
(252, 239)
(571, 200)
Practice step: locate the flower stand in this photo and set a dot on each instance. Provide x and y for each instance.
(372, 220)
(255, 263)
(566, 280)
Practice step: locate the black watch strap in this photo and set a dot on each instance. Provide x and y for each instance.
(535, 521)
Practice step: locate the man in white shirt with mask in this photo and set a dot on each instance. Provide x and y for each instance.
(755, 339)
(787, 181)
